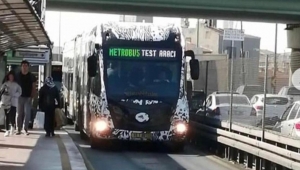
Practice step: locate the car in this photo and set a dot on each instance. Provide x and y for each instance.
(275, 106)
(292, 92)
(218, 107)
(289, 123)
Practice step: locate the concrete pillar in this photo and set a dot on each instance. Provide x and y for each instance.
(293, 42)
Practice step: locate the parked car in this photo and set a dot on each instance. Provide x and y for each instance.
(289, 123)
(218, 107)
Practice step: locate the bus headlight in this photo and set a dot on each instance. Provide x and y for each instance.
(101, 125)
(181, 128)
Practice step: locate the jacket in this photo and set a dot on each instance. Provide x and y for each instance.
(45, 93)
(11, 93)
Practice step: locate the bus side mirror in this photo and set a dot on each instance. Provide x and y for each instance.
(92, 65)
(194, 65)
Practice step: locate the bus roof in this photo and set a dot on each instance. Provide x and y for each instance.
(140, 31)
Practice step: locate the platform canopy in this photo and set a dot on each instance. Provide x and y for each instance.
(20, 26)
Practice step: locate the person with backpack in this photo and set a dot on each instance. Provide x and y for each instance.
(27, 81)
(49, 100)
(10, 91)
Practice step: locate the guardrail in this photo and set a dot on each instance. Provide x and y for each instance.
(243, 144)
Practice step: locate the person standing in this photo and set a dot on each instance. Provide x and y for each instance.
(49, 100)
(27, 81)
(10, 91)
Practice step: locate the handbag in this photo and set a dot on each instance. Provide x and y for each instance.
(60, 118)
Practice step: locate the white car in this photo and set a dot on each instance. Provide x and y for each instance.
(275, 105)
(292, 92)
(290, 121)
(218, 106)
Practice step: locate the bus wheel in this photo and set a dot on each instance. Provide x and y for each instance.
(77, 129)
(178, 147)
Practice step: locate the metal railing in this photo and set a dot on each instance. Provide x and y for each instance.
(243, 144)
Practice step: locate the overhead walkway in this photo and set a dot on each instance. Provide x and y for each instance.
(20, 26)
(263, 10)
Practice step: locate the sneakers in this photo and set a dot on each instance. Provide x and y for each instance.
(12, 130)
(6, 134)
(19, 133)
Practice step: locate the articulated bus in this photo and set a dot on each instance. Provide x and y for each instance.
(129, 83)
(67, 79)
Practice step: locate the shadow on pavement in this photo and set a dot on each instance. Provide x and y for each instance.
(28, 152)
(9, 146)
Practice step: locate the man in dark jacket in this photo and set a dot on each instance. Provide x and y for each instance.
(48, 102)
(27, 81)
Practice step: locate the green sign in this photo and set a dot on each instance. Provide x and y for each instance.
(141, 52)
(123, 52)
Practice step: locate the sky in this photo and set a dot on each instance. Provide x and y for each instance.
(73, 24)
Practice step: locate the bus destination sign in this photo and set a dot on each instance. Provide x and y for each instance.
(141, 53)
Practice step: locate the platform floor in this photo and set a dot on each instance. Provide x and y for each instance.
(36, 152)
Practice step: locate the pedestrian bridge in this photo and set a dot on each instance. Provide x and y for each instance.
(260, 10)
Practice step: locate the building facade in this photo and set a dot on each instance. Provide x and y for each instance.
(246, 70)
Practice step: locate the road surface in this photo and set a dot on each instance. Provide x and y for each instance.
(142, 157)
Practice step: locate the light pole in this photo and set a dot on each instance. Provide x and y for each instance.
(242, 57)
(275, 60)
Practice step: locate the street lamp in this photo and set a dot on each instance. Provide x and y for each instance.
(265, 94)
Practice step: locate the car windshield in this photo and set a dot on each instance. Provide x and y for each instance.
(238, 100)
(276, 101)
(293, 91)
(142, 72)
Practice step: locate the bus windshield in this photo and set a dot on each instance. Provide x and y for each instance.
(132, 75)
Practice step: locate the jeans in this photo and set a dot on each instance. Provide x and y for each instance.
(24, 113)
(10, 117)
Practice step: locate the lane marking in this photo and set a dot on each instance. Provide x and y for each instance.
(64, 157)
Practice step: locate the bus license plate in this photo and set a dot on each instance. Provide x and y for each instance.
(141, 135)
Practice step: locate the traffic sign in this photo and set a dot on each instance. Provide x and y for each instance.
(233, 35)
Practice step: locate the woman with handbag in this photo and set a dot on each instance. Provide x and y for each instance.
(48, 102)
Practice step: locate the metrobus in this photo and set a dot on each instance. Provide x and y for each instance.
(129, 83)
(67, 80)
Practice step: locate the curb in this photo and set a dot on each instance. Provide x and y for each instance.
(75, 156)
(88, 164)
(83, 156)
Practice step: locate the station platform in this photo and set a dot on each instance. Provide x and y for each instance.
(36, 152)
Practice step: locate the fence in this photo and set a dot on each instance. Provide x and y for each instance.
(263, 126)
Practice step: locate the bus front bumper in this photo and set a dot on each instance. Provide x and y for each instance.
(177, 134)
